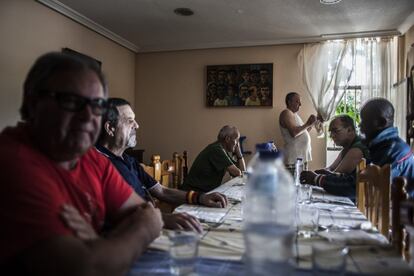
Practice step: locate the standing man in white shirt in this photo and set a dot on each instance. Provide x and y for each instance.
(295, 133)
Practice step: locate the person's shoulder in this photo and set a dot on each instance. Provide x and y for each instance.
(214, 146)
(285, 115)
(286, 112)
(211, 149)
(94, 156)
(16, 149)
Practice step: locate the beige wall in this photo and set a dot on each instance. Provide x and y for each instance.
(29, 29)
(170, 100)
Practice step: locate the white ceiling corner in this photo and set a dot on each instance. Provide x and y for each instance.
(84, 20)
(151, 25)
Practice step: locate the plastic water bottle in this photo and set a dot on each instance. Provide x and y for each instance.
(269, 146)
(298, 170)
(269, 216)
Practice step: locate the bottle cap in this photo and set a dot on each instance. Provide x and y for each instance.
(264, 147)
(269, 155)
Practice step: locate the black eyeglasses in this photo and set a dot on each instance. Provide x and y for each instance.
(75, 103)
(335, 131)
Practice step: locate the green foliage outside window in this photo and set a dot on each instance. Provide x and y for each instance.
(350, 105)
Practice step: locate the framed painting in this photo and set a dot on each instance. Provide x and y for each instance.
(240, 85)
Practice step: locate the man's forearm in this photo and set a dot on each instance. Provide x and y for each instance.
(241, 164)
(68, 255)
(298, 130)
(115, 255)
(168, 195)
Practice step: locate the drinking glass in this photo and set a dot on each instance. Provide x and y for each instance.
(305, 193)
(307, 220)
(183, 252)
(329, 258)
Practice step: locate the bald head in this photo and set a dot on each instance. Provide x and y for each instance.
(376, 115)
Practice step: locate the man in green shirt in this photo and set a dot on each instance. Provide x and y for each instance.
(215, 160)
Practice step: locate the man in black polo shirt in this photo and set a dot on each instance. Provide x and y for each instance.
(119, 133)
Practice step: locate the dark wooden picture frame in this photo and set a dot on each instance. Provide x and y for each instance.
(239, 85)
(82, 56)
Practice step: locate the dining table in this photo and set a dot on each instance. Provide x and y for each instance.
(221, 246)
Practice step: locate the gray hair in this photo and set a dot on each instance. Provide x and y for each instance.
(346, 120)
(226, 131)
(111, 116)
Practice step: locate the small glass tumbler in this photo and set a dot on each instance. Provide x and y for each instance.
(183, 252)
(305, 194)
(329, 258)
(307, 220)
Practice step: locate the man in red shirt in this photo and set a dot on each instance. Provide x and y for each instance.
(49, 166)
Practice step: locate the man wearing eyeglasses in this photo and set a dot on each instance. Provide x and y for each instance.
(339, 177)
(53, 180)
(118, 134)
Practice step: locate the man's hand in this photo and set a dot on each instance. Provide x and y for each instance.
(182, 221)
(307, 177)
(237, 151)
(83, 229)
(215, 199)
(311, 120)
(323, 171)
(147, 219)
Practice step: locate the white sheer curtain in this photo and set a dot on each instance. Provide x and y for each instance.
(325, 69)
(376, 72)
(374, 68)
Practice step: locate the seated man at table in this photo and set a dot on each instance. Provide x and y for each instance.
(384, 144)
(118, 133)
(339, 177)
(49, 169)
(215, 160)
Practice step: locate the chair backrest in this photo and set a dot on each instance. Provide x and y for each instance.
(398, 195)
(360, 186)
(407, 219)
(154, 169)
(170, 172)
(174, 171)
(181, 168)
(377, 196)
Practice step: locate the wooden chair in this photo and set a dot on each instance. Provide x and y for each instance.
(360, 186)
(170, 172)
(399, 235)
(407, 219)
(154, 169)
(181, 168)
(174, 171)
(377, 182)
(157, 171)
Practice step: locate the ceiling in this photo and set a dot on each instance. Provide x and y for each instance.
(152, 25)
